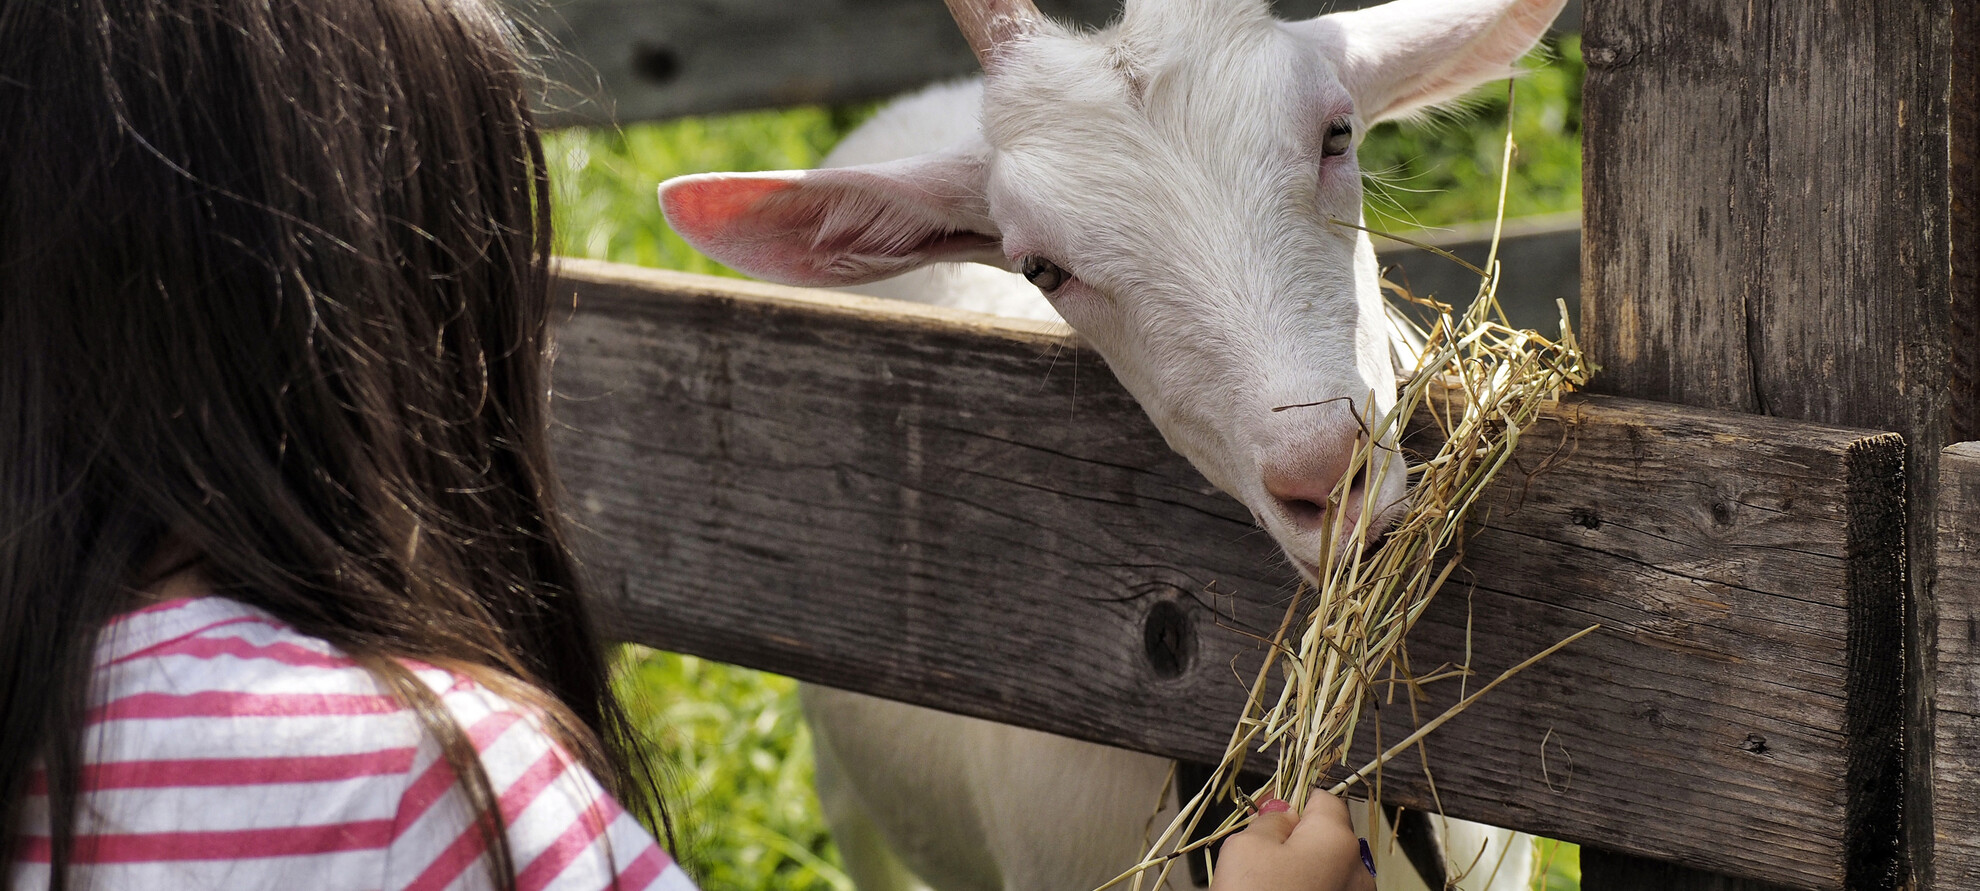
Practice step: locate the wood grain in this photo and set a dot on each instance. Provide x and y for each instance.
(1963, 422)
(629, 60)
(1767, 230)
(969, 513)
(1621, 873)
(1952, 831)
(1780, 262)
(1956, 809)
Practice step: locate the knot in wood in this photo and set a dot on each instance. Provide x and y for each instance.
(655, 64)
(1723, 512)
(1168, 639)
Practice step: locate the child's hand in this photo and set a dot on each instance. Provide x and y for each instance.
(1283, 851)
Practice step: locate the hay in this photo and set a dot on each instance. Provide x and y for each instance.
(1483, 382)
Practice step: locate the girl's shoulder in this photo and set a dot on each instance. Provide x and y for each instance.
(208, 681)
(215, 727)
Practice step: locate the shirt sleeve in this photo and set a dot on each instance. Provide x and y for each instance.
(565, 832)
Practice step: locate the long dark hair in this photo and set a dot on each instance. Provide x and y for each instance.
(274, 284)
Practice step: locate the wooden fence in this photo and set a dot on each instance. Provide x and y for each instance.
(969, 513)
(1778, 251)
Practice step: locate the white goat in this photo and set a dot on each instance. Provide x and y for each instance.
(1167, 186)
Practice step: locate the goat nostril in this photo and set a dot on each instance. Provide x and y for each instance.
(1305, 514)
(1310, 513)
(1317, 483)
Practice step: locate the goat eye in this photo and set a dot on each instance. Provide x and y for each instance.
(1042, 272)
(1340, 138)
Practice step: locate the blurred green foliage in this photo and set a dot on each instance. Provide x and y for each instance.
(1556, 866)
(735, 740)
(605, 202)
(738, 759)
(1444, 168)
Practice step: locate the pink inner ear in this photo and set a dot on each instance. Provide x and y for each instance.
(835, 227)
(739, 221)
(708, 208)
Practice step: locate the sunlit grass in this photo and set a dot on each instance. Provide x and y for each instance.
(605, 200)
(739, 756)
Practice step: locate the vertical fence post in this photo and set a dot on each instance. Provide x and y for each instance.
(1951, 771)
(1955, 860)
(1767, 228)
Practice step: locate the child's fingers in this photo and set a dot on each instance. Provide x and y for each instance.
(1286, 850)
(1274, 824)
(1326, 830)
(1324, 815)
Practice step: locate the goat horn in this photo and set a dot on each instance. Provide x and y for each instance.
(988, 24)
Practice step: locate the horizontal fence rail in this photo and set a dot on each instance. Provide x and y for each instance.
(630, 60)
(969, 513)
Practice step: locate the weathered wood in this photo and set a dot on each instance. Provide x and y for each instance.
(630, 60)
(1956, 809)
(1766, 202)
(969, 513)
(1766, 230)
(1622, 873)
(1964, 410)
(1951, 829)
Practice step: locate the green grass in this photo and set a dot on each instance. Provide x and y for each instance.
(735, 740)
(1445, 169)
(739, 757)
(604, 180)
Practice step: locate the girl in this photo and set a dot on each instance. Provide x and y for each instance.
(285, 599)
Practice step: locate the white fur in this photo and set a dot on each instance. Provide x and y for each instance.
(939, 116)
(1172, 165)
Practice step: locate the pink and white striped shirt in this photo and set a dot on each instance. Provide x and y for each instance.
(228, 751)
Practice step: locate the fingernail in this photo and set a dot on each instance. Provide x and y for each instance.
(1273, 806)
(1367, 857)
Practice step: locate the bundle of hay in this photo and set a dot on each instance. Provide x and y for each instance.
(1482, 382)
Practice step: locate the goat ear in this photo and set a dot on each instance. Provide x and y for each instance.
(1407, 55)
(839, 226)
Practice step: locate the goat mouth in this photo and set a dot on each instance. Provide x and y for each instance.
(1377, 534)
